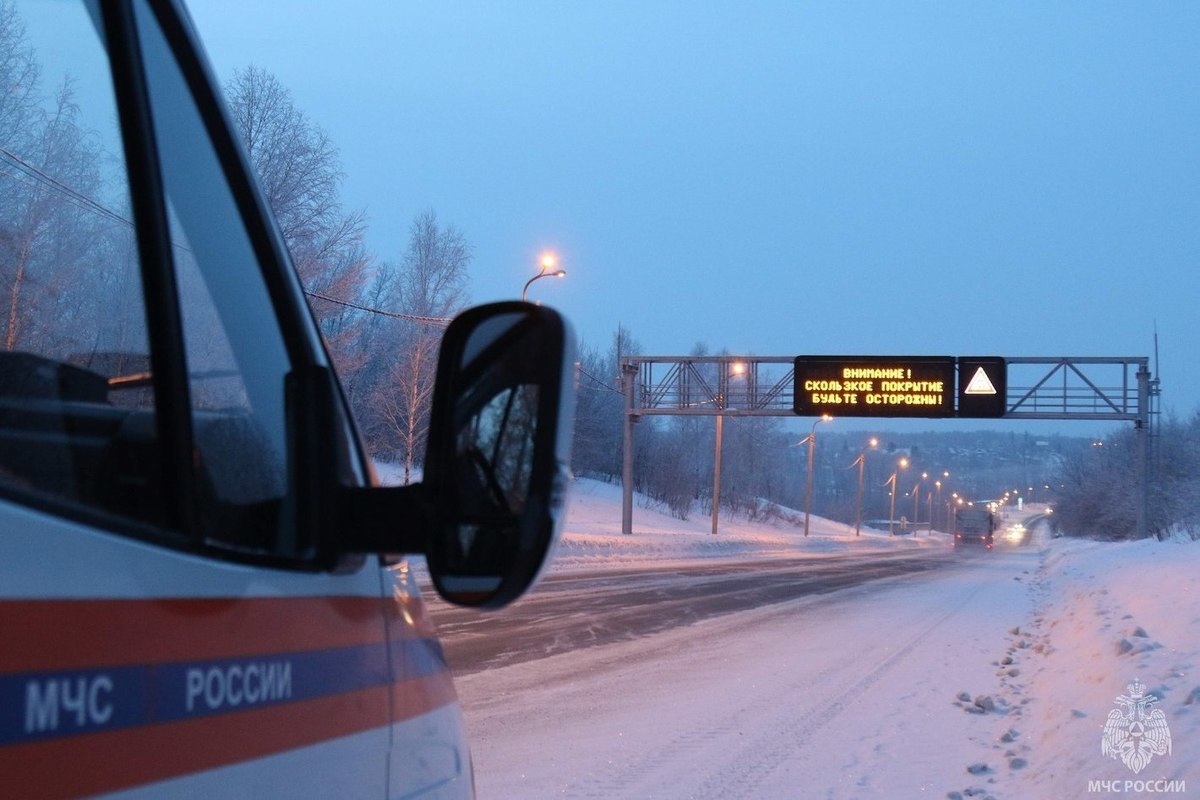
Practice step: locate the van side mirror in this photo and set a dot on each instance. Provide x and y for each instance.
(498, 454)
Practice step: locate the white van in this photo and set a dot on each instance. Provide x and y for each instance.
(202, 591)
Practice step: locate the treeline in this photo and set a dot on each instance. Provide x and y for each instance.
(1100, 492)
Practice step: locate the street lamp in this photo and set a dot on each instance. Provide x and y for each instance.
(860, 461)
(812, 444)
(737, 369)
(547, 271)
(902, 464)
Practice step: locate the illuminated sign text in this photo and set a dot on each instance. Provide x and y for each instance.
(874, 386)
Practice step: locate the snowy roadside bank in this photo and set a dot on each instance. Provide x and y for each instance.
(1107, 615)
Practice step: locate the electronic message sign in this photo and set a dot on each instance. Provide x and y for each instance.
(875, 386)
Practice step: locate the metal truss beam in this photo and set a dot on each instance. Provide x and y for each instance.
(1077, 388)
(1087, 388)
(713, 385)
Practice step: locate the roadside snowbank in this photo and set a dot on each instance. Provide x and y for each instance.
(1107, 615)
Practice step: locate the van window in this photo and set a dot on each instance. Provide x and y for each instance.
(77, 421)
(236, 355)
(76, 414)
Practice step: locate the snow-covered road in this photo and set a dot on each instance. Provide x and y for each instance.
(994, 678)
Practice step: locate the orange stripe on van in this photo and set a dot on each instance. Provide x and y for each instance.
(76, 634)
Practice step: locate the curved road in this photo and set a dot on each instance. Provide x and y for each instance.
(573, 611)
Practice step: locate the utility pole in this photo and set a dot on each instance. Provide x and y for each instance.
(716, 496)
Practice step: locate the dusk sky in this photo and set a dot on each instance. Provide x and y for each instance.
(779, 178)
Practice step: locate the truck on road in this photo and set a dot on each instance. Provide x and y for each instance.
(974, 527)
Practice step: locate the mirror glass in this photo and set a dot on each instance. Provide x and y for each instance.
(496, 448)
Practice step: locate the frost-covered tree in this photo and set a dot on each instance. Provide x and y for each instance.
(429, 284)
(1100, 492)
(300, 172)
(62, 228)
(600, 409)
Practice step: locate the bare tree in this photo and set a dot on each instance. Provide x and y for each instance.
(598, 414)
(54, 233)
(402, 401)
(430, 282)
(300, 172)
(19, 73)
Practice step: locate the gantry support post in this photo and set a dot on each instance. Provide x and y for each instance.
(628, 375)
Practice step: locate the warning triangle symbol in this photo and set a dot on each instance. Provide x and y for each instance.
(980, 384)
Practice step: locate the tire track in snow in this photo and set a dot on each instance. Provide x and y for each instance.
(755, 762)
(766, 732)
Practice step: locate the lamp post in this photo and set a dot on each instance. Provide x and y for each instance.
(902, 464)
(736, 370)
(937, 485)
(861, 461)
(917, 499)
(812, 445)
(547, 271)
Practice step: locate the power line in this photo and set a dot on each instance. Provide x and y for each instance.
(601, 384)
(52, 183)
(26, 173)
(440, 322)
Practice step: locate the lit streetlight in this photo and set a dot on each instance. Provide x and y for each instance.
(812, 445)
(861, 461)
(548, 270)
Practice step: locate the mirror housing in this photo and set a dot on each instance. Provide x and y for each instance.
(491, 505)
(497, 462)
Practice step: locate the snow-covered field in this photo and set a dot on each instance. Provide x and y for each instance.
(994, 677)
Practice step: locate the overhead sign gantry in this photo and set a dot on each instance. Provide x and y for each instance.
(1059, 388)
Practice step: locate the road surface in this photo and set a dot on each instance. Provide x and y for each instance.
(575, 611)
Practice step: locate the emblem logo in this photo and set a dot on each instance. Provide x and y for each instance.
(1134, 732)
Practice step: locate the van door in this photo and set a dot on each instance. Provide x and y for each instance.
(165, 630)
